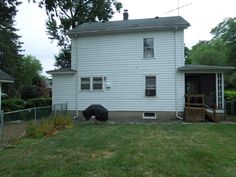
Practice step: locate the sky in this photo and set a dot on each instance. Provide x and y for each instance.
(203, 15)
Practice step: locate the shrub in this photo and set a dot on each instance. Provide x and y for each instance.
(49, 127)
(230, 94)
(12, 104)
(32, 131)
(38, 102)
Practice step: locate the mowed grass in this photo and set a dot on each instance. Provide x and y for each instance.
(165, 150)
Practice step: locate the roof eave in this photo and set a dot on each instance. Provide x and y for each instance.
(57, 72)
(6, 81)
(205, 69)
(159, 28)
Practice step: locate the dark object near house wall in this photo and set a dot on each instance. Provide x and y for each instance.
(100, 113)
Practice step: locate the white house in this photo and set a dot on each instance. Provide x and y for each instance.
(4, 78)
(134, 68)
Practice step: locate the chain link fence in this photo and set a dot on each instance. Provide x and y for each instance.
(14, 124)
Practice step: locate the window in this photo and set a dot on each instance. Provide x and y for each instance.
(91, 83)
(149, 115)
(97, 83)
(148, 47)
(85, 83)
(150, 86)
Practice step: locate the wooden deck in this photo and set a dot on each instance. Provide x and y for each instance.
(199, 107)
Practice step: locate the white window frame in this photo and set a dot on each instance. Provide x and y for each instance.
(91, 83)
(143, 48)
(145, 88)
(81, 84)
(101, 83)
(149, 117)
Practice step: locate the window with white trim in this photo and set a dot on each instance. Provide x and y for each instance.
(85, 83)
(97, 83)
(149, 115)
(150, 86)
(148, 47)
(91, 83)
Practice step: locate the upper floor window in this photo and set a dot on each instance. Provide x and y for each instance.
(148, 47)
(150, 86)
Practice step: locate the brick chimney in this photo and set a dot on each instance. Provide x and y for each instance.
(125, 15)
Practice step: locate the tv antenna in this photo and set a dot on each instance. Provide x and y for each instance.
(179, 7)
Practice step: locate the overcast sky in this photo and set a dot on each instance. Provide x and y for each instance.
(203, 15)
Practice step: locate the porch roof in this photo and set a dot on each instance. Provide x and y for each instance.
(204, 68)
(4, 77)
(61, 71)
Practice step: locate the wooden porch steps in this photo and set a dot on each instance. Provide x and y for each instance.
(195, 114)
(199, 107)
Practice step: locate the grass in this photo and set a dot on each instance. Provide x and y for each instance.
(165, 150)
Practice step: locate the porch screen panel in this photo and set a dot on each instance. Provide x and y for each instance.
(219, 90)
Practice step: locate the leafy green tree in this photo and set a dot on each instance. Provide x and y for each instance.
(186, 55)
(212, 52)
(10, 46)
(67, 14)
(30, 68)
(226, 31)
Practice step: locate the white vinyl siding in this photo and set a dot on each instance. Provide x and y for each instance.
(64, 90)
(117, 56)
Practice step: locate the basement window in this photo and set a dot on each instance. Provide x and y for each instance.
(149, 115)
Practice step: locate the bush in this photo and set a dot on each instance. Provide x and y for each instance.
(49, 127)
(38, 102)
(12, 104)
(32, 131)
(230, 94)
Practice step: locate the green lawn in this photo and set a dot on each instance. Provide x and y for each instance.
(165, 150)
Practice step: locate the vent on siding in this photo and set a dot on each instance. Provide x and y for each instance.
(149, 115)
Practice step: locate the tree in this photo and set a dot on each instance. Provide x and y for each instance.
(10, 46)
(30, 68)
(226, 31)
(212, 52)
(186, 55)
(67, 14)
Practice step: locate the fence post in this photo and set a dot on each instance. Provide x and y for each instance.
(2, 127)
(35, 116)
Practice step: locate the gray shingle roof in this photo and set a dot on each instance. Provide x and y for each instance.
(61, 71)
(162, 23)
(208, 68)
(4, 77)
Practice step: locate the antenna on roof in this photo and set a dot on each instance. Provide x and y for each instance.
(179, 7)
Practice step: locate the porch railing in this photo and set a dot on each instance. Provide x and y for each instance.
(200, 100)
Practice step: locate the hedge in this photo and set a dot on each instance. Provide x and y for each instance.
(12, 104)
(230, 94)
(38, 102)
(17, 104)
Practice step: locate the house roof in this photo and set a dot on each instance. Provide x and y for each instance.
(61, 71)
(204, 68)
(4, 77)
(162, 23)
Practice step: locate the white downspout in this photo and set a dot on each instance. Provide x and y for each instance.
(176, 89)
(76, 87)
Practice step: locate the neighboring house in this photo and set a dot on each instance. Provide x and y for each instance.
(135, 69)
(4, 77)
